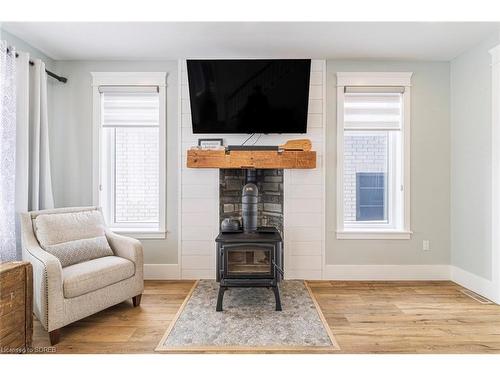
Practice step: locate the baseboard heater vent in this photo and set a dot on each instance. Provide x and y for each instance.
(477, 297)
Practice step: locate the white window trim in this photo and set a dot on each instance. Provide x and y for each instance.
(374, 79)
(130, 79)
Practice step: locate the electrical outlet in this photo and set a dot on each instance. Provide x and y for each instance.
(426, 245)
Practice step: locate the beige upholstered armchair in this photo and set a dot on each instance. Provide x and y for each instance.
(79, 266)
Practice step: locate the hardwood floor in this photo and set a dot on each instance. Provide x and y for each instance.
(123, 328)
(365, 317)
(407, 317)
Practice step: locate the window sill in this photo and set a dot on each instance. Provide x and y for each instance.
(141, 234)
(374, 235)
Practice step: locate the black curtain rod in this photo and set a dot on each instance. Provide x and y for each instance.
(49, 73)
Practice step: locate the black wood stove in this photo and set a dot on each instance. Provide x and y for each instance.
(250, 259)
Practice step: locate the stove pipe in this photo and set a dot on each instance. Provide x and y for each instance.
(250, 176)
(250, 197)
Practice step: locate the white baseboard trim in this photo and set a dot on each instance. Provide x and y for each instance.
(162, 272)
(477, 284)
(354, 272)
(331, 272)
(387, 272)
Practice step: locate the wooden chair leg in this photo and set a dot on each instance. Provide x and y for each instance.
(136, 301)
(54, 336)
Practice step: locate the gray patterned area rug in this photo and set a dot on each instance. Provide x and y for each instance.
(249, 322)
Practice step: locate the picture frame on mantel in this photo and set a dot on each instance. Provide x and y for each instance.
(210, 143)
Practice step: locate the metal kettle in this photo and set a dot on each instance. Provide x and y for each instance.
(230, 225)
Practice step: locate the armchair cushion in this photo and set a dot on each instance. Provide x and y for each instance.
(78, 251)
(55, 228)
(72, 237)
(86, 277)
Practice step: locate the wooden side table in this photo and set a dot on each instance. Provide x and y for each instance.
(16, 307)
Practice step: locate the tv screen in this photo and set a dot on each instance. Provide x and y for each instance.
(249, 96)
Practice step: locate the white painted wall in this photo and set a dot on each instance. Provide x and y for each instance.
(303, 194)
(467, 82)
(471, 152)
(199, 188)
(430, 181)
(21, 45)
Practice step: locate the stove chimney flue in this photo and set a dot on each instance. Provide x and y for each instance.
(250, 197)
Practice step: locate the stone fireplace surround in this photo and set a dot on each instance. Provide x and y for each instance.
(303, 194)
(270, 203)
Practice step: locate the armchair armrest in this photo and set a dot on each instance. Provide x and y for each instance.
(47, 277)
(126, 247)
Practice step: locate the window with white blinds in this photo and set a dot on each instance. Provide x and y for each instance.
(373, 147)
(130, 175)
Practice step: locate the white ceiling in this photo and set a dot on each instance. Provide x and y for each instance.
(439, 41)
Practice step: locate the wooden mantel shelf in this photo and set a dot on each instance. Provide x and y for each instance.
(251, 159)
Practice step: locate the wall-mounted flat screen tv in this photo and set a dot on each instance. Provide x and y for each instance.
(249, 96)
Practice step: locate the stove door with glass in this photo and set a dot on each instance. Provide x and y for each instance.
(248, 261)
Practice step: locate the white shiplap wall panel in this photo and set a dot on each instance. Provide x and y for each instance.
(197, 247)
(196, 205)
(305, 206)
(298, 219)
(318, 66)
(198, 262)
(315, 106)
(301, 176)
(197, 232)
(198, 201)
(303, 191)
(200, 190)
(186, 120)
(314, 120)
(200, 176)
(196, 218)
(316, 78)
(305, 248)
(304, 234)
(305, 262)
(304, 201)
(316, 92)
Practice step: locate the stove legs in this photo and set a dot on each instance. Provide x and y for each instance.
(277, 298)
(220, 297)
(222, 289)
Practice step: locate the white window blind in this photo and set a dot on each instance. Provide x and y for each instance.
(373, 108)
(130, 106)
